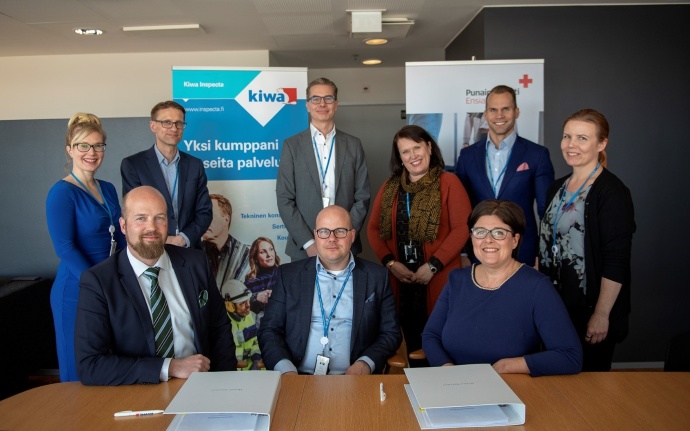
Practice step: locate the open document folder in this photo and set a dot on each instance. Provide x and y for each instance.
(229, 400)
(462, 396)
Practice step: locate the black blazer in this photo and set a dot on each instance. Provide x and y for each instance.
(286, 323)
(196, 211)
(114, 342)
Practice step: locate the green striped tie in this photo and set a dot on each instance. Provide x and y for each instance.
(160, 313)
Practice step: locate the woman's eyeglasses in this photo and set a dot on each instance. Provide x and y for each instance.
(497, 233)
(83, 147)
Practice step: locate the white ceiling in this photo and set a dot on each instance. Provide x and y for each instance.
(298, 33)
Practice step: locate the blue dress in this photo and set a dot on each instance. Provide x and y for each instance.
(78, 227)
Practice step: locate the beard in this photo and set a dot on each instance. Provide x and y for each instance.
(149, 250)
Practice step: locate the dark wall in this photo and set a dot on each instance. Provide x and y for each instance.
(33, 159)
(627, 62)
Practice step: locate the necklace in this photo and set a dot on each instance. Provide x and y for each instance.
(476, 283)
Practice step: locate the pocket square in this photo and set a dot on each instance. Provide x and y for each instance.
(523, 167)
(203, 298)
(371, 297)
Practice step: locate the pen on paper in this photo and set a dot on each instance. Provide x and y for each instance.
(137, 413)
(382, 394)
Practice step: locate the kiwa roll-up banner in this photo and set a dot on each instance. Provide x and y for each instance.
(237, 120)
(448, 98)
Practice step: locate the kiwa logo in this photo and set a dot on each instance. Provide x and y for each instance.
(287, 96)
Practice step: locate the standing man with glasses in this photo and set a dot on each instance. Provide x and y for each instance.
(333, 313)
(320, 166)
(178, 176)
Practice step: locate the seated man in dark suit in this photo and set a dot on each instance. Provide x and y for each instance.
(151, 311)
(332, 313)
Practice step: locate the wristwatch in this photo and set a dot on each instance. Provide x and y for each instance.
(432, 268)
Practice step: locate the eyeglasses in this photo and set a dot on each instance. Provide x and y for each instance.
(339, 232)
(497, 233)
(167, 124)
(83, 147)
(317, 99)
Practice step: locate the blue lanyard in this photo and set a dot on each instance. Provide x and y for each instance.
(408, 205)
(177, 172)
(559, 213)
(328, 162)
(103, 205)
(491, 174)
(327, 321)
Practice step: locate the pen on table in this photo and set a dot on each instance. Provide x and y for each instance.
(382, 394)
(137, 413)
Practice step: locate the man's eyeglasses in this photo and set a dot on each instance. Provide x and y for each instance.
(497, 233)
(317, 99)
(83, 147)
(339, 232)
(167, 124)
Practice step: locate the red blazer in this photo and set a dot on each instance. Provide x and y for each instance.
(453, 233)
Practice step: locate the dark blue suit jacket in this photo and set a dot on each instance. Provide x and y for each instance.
(114, 341)
(523, 187)
(196, 212)
(286, 323)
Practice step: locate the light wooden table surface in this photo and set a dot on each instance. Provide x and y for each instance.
(588, 401)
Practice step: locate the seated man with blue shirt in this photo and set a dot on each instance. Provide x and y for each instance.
(332, 313)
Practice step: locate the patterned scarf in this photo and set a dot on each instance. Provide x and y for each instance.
(425, 212)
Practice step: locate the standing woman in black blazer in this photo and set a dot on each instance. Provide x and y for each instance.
(585, 240)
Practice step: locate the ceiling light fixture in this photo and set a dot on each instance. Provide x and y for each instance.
(88, 31)
(371, 61)
(376, 41)
(167, 27)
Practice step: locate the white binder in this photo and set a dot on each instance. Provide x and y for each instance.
(462, 396)
(214, 401)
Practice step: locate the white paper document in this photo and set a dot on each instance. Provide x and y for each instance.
(462, 396)
(230, 400)
(214, 422)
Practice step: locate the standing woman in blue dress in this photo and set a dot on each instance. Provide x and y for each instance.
(82, 215)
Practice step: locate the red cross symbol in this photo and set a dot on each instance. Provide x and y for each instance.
(525, 81)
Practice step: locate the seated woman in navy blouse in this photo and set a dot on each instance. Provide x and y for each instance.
(500, 311)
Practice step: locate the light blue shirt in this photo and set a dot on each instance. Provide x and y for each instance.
(497, 159)
(340, 328)
(170, 172)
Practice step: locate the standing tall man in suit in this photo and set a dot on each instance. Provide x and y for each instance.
(333, 313)
(150, 311)
(178, 176)
(508, 167)
(320, 166)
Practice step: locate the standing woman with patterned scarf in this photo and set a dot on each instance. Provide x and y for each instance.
(418, 227)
